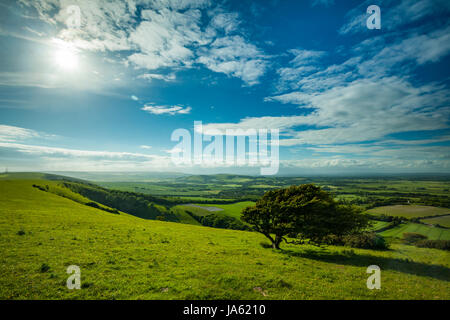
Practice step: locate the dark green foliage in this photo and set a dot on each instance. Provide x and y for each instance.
(265, 245)
(412, 237)
(44, 268)
(95, 205)
(436, 244)
(20, 233)
(305, 212)
(422, 241)
(383, 217)
(39, 187)
(221, 221)
(137, 204)
(365, 240)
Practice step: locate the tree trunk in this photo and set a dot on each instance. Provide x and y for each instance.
(276, 242)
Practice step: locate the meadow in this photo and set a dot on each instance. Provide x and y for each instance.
(443, 221)
(122, 256)
(433, 233)
(410, 211)
(232, 210)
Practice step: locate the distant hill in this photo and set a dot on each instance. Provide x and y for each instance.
(37, 175)
(121, 176)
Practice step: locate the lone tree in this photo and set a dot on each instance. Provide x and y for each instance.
(303, 213)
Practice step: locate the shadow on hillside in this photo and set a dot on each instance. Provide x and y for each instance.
(364, 260)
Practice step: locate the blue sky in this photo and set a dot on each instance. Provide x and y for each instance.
(106, 96)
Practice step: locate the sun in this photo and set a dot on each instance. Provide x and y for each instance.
(66, 59)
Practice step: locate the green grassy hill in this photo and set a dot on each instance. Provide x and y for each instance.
(125, 257)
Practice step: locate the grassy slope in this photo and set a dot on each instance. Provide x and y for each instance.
(409, 211)
(124, 257)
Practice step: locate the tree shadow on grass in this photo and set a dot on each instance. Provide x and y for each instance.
(363, 260)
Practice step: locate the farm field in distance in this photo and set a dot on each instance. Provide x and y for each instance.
(443, 221)
(410, 211)
(433, 233)
(233, 210)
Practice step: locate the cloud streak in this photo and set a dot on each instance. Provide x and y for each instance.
(170, 110)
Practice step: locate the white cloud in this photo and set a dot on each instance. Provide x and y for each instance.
(44, 150)
(163, 38)
(65, 159)
(363, 110)
(164, 77)
(374, 58)
(421, 49)
(303, 64)
(133, 97)
(226, 21)
(171, 110)
(393, 151)
(369, 110)
(12, 133)
(234, 56)
(145, 147)
(377, 164)
(303, 57)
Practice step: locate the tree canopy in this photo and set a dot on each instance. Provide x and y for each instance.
(302, 213)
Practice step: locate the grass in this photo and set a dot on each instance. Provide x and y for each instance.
(124, 257)
(443, 221)
(233, 210)
(433, 233)
(184, 217)
(409, 211)
(377, 225)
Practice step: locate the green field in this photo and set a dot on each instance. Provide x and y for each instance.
(233, 210)
(443, 221)
(409, 211)
(377, 225)
(367, 192)
(433, 233)
(125, 257)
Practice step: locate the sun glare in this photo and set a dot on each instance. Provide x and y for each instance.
(66, 59)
